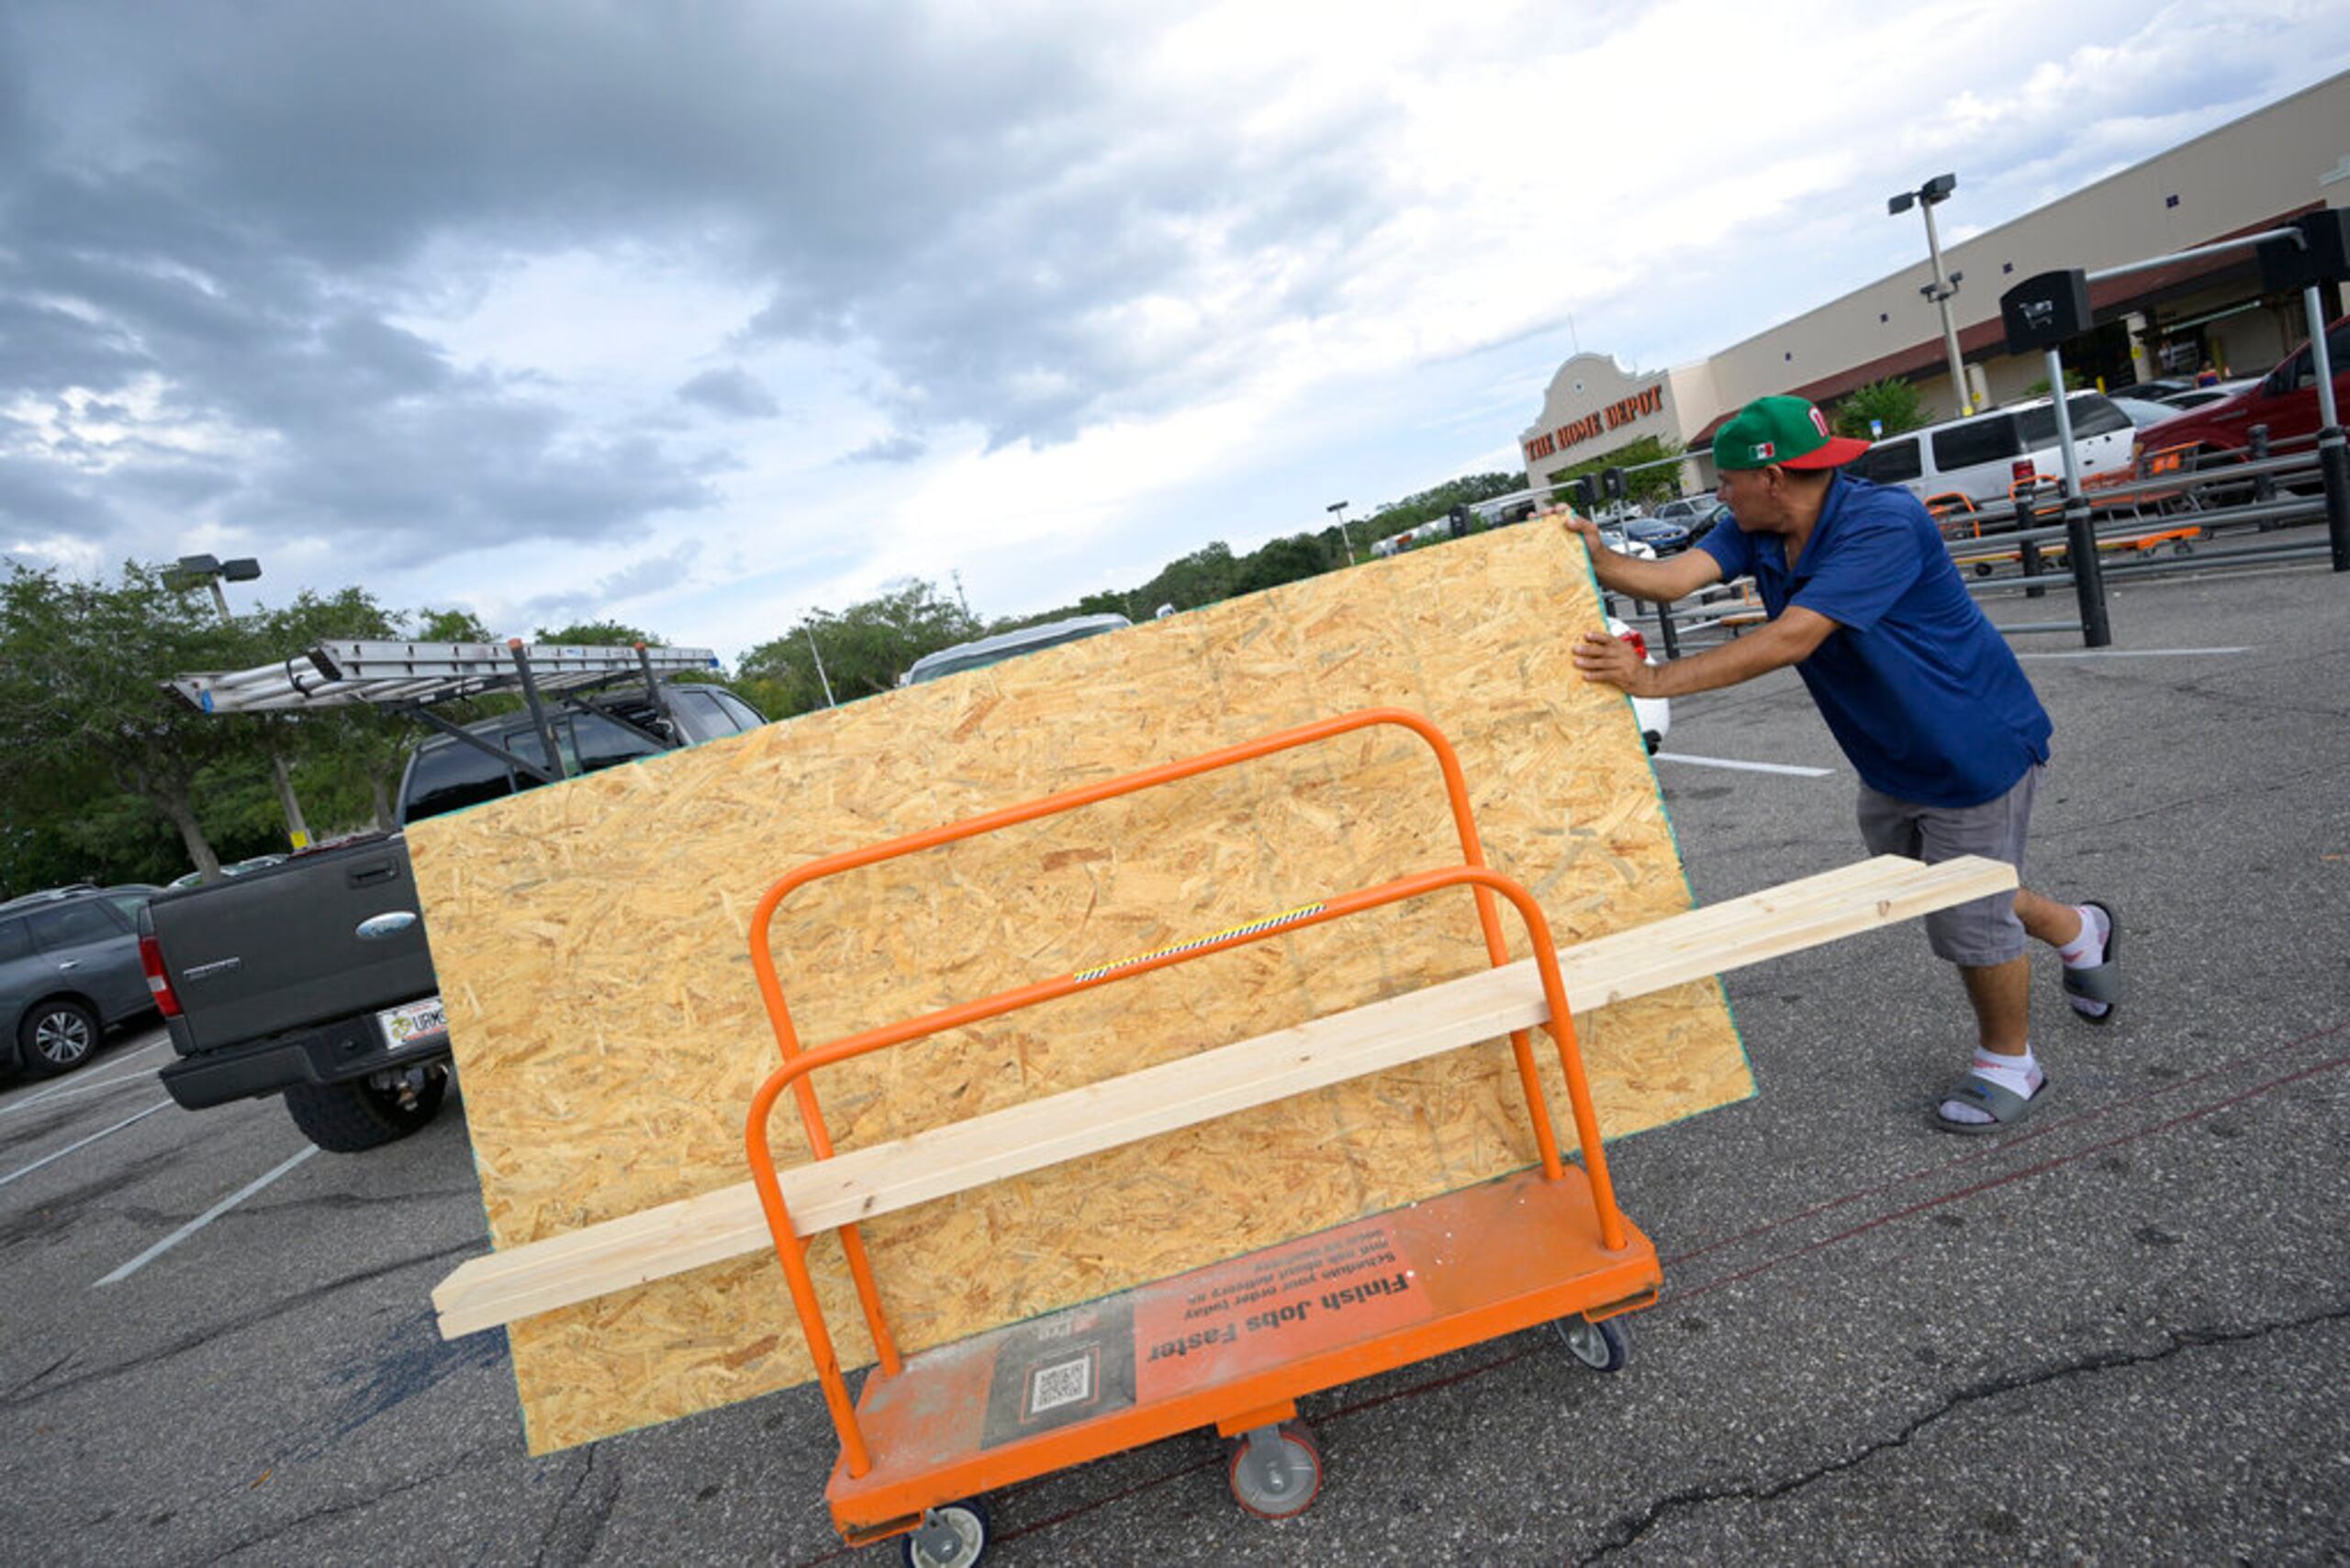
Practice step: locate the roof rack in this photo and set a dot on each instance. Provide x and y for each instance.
(409, 677)
(413, 675)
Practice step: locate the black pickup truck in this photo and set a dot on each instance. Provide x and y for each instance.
(313, 978)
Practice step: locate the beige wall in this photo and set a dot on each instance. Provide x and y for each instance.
(2268, 162)
(2288, 155)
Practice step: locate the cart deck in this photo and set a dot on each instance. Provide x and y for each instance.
(1233, 1344)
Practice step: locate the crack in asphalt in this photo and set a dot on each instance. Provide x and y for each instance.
(599, 1515)
(1629, 1532)
(327, 1510)
(15, 1397)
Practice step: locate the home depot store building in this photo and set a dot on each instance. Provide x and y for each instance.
(2251, 174)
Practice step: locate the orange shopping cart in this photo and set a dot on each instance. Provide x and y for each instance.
(1234, 1345)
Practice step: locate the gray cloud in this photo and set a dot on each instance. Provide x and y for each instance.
(895, 448)
(732, 391)
(236, 200)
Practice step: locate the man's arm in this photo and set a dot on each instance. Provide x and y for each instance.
(1659, 582)
(1787, 639)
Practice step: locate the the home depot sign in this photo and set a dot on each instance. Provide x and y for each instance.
(1613, 417)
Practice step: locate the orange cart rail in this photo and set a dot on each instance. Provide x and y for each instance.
(1587, 1259)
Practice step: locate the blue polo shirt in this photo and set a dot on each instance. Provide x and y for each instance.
(1924, 696)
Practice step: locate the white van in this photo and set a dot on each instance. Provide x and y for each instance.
(1985, 456)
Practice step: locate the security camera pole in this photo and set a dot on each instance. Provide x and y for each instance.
(211, 571)
(1926, 197)
(1339, 510)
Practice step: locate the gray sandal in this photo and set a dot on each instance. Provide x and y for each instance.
(2103, 982)
(2002, 1104)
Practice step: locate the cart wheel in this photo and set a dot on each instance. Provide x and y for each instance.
(954, 1535)
(1603, 1347)
(1276, 1472)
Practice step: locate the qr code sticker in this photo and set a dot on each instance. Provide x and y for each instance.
(1067, 1383)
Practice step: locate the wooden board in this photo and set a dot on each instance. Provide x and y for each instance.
(590, 940)
(864, 1183)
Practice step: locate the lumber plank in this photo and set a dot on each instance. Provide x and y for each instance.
(861, 1183)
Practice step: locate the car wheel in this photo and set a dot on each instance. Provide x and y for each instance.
(350, 1118)
(56, 1037)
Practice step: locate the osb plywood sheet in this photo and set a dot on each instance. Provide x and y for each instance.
(591, 940)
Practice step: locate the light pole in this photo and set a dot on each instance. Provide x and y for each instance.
(1339, 510)
(1926, 197)
(211, 571)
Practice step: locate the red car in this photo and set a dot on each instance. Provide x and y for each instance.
(2284, 400)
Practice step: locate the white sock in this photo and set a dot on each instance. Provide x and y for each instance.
(2087, 951)
(2016, 1074)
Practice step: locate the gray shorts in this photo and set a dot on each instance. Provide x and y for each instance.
(1985, 931)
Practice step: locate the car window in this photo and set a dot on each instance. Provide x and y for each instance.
(129, 903)
(1889, 461)
(2093, 415)
(447, 777)
(73, 924)
(594, 742)
(2337, 349)
(746, 716)
(1977, 441)
(16, 941)
(703, 717)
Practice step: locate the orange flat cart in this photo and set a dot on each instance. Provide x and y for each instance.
(1233, 1344)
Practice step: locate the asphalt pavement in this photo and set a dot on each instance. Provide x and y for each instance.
(2119, 1333)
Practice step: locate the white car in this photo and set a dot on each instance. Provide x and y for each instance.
(1653, 714)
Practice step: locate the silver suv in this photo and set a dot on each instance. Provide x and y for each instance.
(69, 968)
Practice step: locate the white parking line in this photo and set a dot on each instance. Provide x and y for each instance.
(44, 1160)
(68, 1091)
(2135, 654)
(207, 1217)
(1745, 766)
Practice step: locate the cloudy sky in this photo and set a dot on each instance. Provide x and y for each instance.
(700, 315)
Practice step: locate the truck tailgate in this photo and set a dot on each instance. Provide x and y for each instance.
(319, 938)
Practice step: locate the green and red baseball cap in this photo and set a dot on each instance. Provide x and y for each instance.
(1788, 431)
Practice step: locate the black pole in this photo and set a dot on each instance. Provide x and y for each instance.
(2333, 463)
(538, 709)
(1664, 625)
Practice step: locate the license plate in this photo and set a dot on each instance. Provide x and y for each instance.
(415, 1023)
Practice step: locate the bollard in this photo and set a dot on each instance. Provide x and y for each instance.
(2264, 487)
(2032, 566)
(2333, 463)
(1664, 626)
(2088, 572)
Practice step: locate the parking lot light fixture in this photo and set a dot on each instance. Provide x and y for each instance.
(1339, 510)
(1926, 197)
(211, 571)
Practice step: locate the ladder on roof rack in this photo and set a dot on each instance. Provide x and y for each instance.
(408, 678)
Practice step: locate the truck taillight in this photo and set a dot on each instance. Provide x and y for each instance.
(1640, 643)
(151, 959)
(2022, 472)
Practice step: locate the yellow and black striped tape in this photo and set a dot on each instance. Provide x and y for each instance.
(1284, 918)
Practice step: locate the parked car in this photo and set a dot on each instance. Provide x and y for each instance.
(446, 774)
(2158, 390)
(1686, 510)
(244, 867)
(2196, 396)
(2284, 400)
(2141, 411)
(982, 651)
(69, 970)
(312, 980)
(1986, 456)
(1660, 534)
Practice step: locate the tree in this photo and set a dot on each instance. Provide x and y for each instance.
(598, 634)
(1283, 561)
(2075, 380)
(1892, 403)
(865, 648)
(1660, 483)
(81, 700)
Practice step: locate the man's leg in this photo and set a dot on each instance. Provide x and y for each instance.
(2047, 921)
(2001, 996)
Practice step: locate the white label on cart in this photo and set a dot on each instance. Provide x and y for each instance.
(1067, 1383)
